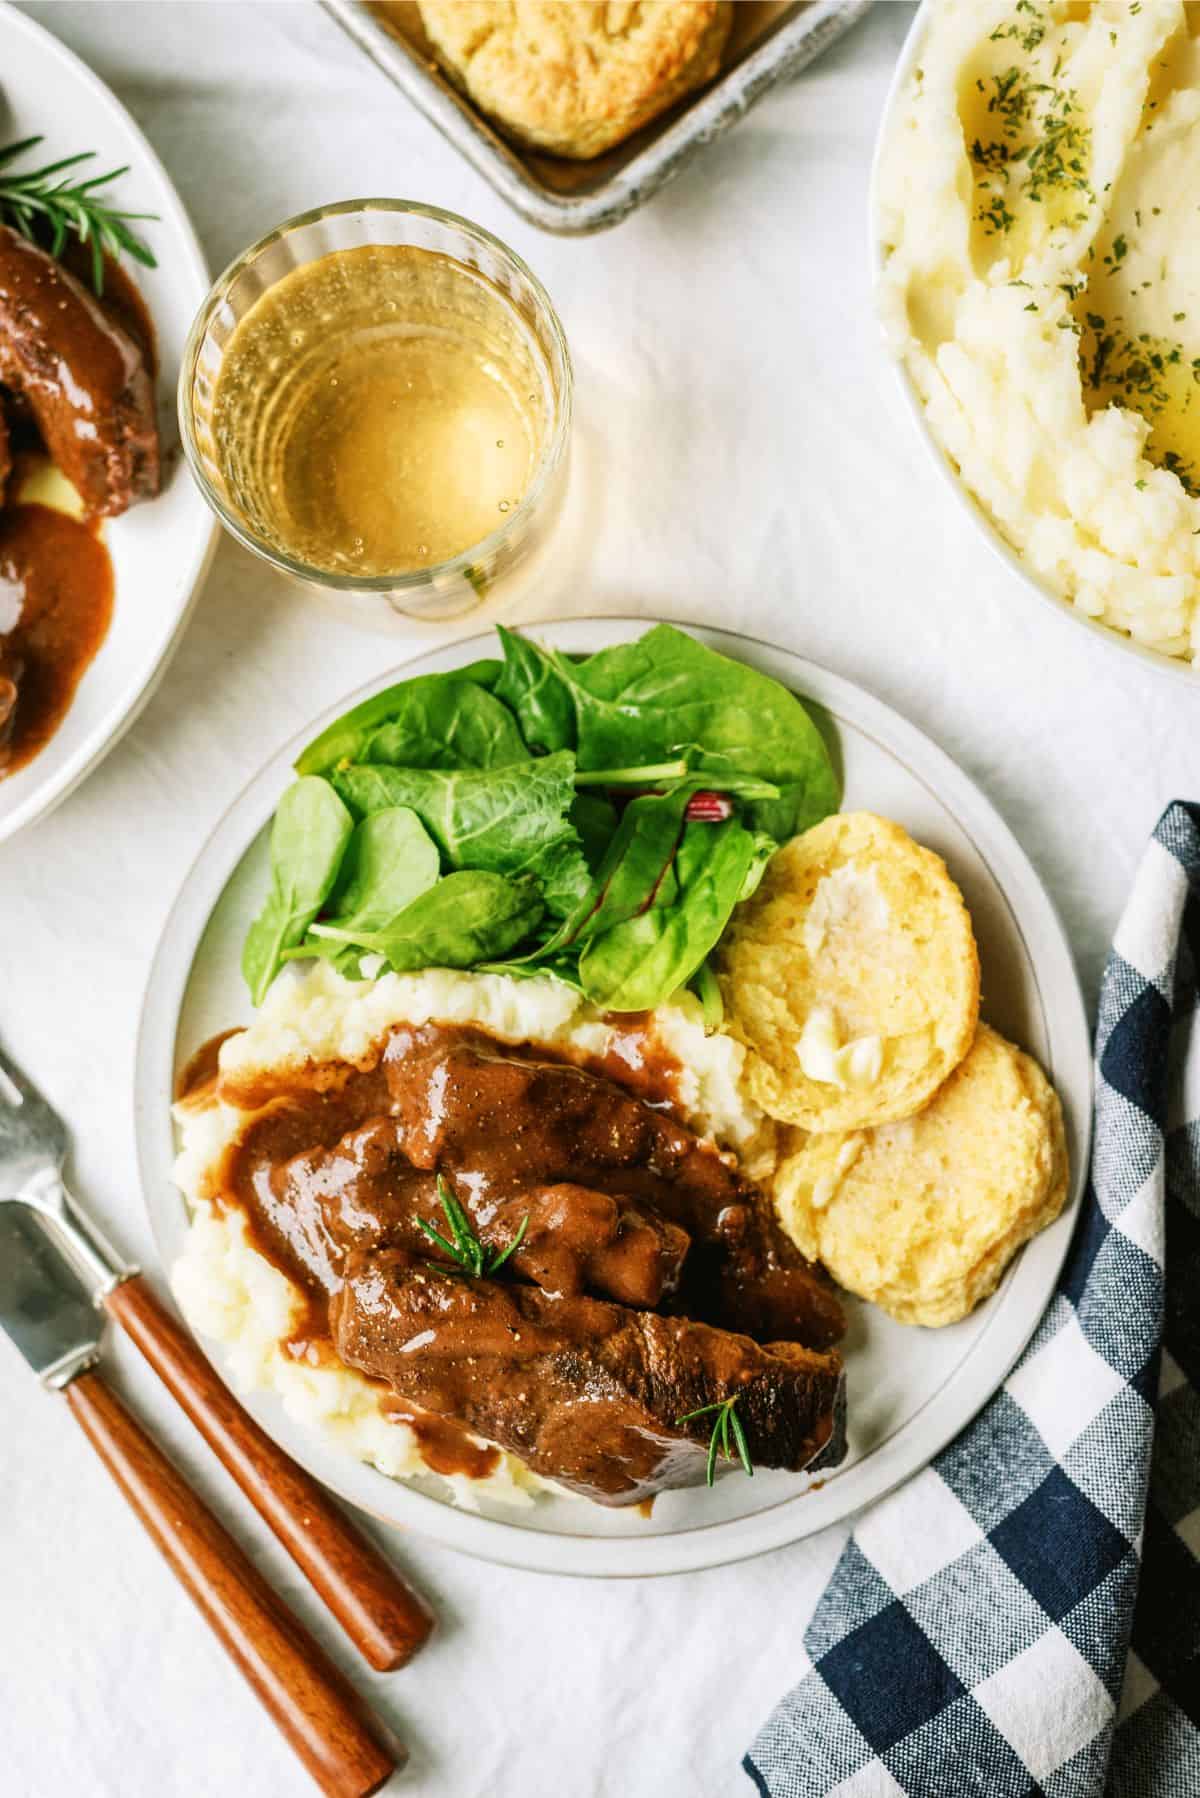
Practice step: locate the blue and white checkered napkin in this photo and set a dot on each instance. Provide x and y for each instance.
(986, 1633)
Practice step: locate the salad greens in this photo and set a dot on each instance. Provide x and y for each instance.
(668, 696)
(390, 860)
(466, 918)
(540, 701)
(596, 818)
(512, 820)
(309, 837)
(633, 965)
(425, 703)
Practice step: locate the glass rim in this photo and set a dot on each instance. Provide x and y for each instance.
(459, 566)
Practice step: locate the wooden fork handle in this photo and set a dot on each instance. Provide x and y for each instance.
(383, 1617)
(319, 1712)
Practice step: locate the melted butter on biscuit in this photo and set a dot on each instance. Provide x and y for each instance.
(824, 1057)
(845, 899)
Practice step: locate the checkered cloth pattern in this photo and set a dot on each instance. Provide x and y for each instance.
(985, 1633)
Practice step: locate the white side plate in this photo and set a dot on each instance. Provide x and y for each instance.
(910, 1390)
(160, 550)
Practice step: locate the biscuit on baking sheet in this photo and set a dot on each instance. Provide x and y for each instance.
(575, 76)
(852, 976)
(922, 1217)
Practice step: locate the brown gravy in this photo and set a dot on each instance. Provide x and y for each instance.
(56, 601)
(607, 1209)
(122, 298)
(445, 1446)
(321, 1103)
(56, 579)
(197, 1079)
(318, 1169)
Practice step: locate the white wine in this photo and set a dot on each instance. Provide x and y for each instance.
(380, 410)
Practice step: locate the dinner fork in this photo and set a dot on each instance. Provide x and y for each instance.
(384, 1618)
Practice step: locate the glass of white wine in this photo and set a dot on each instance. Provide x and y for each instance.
(377, 399)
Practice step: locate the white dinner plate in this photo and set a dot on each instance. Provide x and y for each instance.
(161, 548)
(910, 1390)
(910, 54)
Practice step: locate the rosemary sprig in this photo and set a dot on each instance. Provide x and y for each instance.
(64, 206)
(727, 1422)
(466, 1251)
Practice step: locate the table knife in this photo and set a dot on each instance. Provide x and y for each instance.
(47, 1311)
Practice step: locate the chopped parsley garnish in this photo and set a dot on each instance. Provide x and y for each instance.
(1143, 371)
(1028, 35)
(1184, 472)
(1042, 140)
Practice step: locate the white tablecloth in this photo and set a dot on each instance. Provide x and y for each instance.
(742, 460)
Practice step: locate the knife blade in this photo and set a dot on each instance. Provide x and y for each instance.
(47, 1313)
(45, 1310)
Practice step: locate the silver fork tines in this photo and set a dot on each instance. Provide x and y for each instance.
(33, 1147)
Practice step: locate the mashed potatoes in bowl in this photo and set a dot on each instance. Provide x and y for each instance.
(1037, 178)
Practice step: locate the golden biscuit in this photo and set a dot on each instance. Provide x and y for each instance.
(574, 76)
(922, 1217)
(851, 976)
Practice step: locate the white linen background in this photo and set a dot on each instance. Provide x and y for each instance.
(742, 460)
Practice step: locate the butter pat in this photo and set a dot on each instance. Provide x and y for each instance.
(823, 1057)
(845, 896)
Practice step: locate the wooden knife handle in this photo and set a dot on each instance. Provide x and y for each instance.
(383, 1617)
(321, 1715)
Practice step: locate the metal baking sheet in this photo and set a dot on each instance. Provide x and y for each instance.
(768, 41)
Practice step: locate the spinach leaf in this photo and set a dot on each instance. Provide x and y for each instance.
(642, 702)
(308, 840)
(532, 687)
(457, 726)
(511, 820)
(642, 961)
(800, 805)
(595, 820)
(764, 848)
(391, 859)
(437, 720)
(466, 918)
(634, 871)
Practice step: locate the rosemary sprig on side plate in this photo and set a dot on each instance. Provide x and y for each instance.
(64, 207)
(726, 1423)
(466, 1251)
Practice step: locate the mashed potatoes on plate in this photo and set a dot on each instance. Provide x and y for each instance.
(232, 1294)
(1039, 189)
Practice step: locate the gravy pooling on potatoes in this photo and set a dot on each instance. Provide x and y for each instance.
(604, 1212)
(379, 410)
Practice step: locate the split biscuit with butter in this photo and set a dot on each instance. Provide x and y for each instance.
(574, 76)
(922, 1217)
(852, 977)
